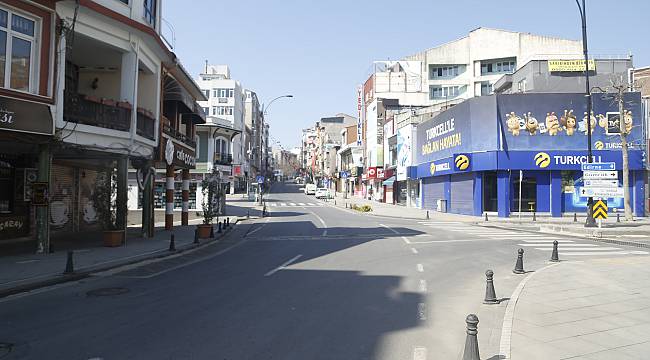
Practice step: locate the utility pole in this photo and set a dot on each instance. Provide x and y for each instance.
(624, 131)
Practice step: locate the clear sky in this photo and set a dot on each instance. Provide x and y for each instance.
(320, 50)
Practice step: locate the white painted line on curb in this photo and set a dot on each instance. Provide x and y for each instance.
(420, 353)
(422, 286)
(284, 265)
(422, 311)
(420, 268)
(414, 250)
(597, 249)
(548, 240)
(550, 245)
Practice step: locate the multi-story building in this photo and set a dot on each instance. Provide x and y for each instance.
(327, 143)
(222, 137)
(349, 162)
(253, 119)
(285, 162)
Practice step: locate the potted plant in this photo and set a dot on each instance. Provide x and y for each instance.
(104, 199)
(211, 190)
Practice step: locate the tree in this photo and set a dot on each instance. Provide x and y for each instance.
(212, 191)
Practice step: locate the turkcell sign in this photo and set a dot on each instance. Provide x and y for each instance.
(594, 175)
(607, 166)
(601, 183)
(605, 193)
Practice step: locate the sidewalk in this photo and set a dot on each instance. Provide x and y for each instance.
(29, 271)
(597, 309)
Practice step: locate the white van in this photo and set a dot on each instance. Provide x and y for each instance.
(310, 189)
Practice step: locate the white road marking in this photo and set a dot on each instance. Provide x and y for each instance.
(284, 265)
(420, 353)
(548, 240)
(283, 204)
(311, 204)
(456, 241)
(414, 250)
(301, 204)
(406, 240)
(258, 229)
(635, 235)
(389, 228)
(27, 261)
(322, 222)
(422, 311)
(420, 268)
(292, 204)
(422, 286)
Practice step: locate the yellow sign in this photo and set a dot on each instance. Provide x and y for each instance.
(462, 162)
(599, 145)
(570, 65)
(542, 160)
(599, 209)
(432, 168)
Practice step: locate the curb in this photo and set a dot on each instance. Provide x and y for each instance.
(370, 213)
(595, 235)
(87, 272)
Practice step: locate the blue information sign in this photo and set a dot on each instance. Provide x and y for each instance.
(606, 166)
(260, 179)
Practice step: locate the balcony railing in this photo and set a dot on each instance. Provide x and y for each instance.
(89, 110)
(167, 129)
(222, 159)
(146, 124)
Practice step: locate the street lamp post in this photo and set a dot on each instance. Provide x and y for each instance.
(590, 222)
(265, 109)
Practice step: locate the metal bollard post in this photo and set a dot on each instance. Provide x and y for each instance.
(519, 266)
(471, 341)
(172, 243)
(618, 217)
(575, 217)
(247, 215)
(69, 265)
(427, 214)
(219, 229)
(228, 221)
(486, 217)
(211, 231)
(196, 236)
(534, 217)
(346, 205)
(554, 255)
(490, 294)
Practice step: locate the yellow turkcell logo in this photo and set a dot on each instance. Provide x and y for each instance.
(432, 168)
(599, 145)
(542, 160)
(462, 162)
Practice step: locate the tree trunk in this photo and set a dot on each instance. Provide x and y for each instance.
(624, 153)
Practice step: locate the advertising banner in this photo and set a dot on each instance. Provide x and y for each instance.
(570, 65)
(404, 151)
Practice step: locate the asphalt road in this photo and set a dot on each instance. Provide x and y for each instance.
(309, 282)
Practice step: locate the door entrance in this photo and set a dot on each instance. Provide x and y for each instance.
(490, 191)
(528, 194)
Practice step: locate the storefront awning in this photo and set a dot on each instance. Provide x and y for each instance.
(389, 181)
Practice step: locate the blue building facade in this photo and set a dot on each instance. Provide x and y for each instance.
(503, 153)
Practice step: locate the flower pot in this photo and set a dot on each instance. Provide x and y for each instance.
(204, 230)
(113, 238)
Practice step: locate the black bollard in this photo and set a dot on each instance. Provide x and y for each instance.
(211, 231)
(196, 236)
(519, 266)
(427, 214)
(534, 217)
(554, 256)
(486, 218)
(346, 205)
(575, 217)
(471, 341)
(228, 222)
(618, 218)
(490, 294)
(69, 265)
(172, 243)
(247, 215)
(219, 229)
(334, 202)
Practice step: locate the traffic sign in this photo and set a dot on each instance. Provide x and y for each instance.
(588, 174)
(599, 209)
(601, 183)
(605, 193)
(607, 166)
(260, 179)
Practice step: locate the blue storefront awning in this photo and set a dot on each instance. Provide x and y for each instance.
(389, 181)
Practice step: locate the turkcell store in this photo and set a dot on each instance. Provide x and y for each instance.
(503, 153)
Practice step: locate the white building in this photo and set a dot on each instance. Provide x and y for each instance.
(221, 139)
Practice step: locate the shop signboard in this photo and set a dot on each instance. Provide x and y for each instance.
(178, 155)
(577, 65)
(564, 160)
(599, 175)
(25, 116)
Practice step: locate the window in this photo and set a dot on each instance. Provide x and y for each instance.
(150, 11)
(222, 110)
(497, 67)
(206, 93)
(206, 110)
(17, 39)
(486, 88)
(447, 71)
(521, 85)
(442, 92)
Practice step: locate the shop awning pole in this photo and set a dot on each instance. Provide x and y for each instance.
(521, 177)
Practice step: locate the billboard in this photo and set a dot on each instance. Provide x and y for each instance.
(570, 65)
(404, 150)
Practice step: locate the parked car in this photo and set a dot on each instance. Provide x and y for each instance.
(322, 193)
(310, 189)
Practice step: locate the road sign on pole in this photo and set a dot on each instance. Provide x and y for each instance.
(600, 209)
(607, 166)
(260, 179)
(601, 183)
(605, 193)
(588, 174)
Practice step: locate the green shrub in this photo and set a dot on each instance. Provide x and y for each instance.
(362, 208)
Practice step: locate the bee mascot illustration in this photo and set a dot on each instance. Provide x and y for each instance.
(592, 122)
(513, 123)
(569, 122)
(627, 119)
(602, 121)
(552, 124)
(531, 123)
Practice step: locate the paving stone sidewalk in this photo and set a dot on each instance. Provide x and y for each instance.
(586, 310)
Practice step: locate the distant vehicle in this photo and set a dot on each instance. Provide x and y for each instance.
(310, 189)
(298, 180)
(322, 193)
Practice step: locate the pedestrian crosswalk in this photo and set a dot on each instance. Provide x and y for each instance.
(535, 241)
(291, 204)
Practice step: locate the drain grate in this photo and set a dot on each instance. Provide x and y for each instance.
(110, 291)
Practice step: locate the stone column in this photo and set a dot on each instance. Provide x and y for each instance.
(186, 197)
(169, 198)
(122, 196)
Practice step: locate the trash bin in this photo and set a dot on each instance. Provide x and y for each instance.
(442, 205)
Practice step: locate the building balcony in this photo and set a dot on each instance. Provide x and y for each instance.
(146, 124)
(94, 111)
(177, 135)
(222, 159)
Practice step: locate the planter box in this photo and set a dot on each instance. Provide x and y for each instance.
(113, 238)
(125, 105)
(204, 231)
(109, 102)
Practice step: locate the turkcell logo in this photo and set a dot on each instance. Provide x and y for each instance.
(461, 162)
(542, 160)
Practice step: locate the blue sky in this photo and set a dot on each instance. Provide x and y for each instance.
(320, 50)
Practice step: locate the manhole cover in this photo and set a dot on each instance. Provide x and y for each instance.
(112, 291)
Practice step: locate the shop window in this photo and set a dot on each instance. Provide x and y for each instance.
(6, 187)
(568, 181)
